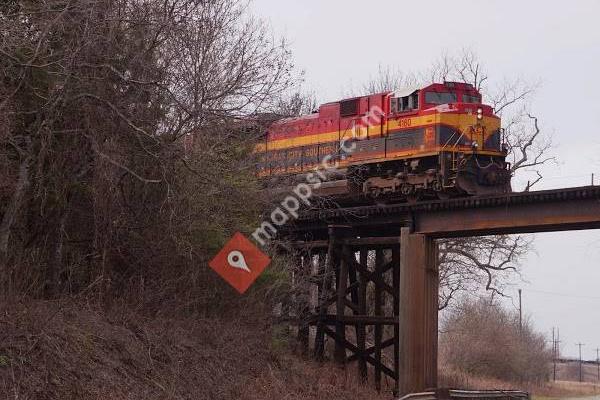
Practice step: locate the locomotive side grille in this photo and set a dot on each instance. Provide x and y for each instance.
(348, 108)
(406, 139)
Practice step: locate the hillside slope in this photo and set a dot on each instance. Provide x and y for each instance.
(52, 350)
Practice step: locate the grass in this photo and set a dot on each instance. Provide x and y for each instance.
(539, 391)
(67, 350)
(562, 389)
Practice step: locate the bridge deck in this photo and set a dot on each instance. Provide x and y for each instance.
(538, 211)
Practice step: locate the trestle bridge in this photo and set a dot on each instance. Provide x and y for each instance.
(354, 260)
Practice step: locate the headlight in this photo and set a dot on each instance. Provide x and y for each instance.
(479, 113)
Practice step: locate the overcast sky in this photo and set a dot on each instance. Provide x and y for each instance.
(341, 43)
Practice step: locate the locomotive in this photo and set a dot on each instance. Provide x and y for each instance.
(436, 141)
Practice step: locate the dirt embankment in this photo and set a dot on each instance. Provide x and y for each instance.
(59, 350)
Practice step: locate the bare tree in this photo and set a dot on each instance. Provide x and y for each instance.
(296, 104)
(124, 140)
(529, 147)
(388, 78)
(470, 264)
(489, 262)
(462, 67)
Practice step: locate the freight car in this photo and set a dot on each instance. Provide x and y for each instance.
(430, 142)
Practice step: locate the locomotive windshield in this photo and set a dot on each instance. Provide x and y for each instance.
(467, 98)
(440, 97)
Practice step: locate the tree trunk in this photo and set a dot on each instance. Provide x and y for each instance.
(8, 220)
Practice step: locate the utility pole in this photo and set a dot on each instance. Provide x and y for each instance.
(520, 313)
(580, 362)
(598, 362)
(557, 347)
(554, 353)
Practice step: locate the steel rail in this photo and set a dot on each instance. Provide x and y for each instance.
(542, 196)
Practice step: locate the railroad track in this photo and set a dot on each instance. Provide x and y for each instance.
(363, 211)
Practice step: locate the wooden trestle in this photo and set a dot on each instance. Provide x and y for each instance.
(375, 300)
(372, 286)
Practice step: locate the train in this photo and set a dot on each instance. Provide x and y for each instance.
(430, 142)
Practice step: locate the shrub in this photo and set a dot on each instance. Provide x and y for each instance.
(482, 338)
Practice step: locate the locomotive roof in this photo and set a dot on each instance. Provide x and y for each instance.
(397, 93)
(406, 91)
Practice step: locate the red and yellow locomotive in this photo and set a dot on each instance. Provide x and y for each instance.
(436, 141)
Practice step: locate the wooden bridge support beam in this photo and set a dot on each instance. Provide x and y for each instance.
(418, 317)
(401, 276)
(361, 328)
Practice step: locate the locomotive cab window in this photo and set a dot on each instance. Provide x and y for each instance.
(405, 103)
(440, 97)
